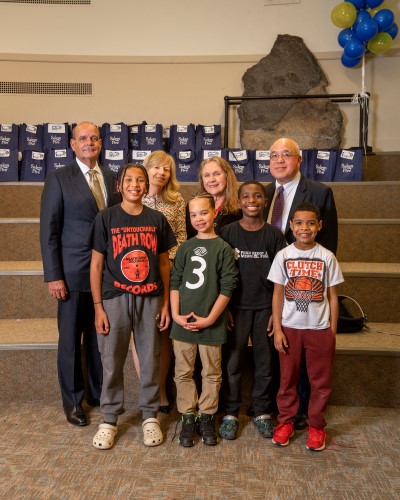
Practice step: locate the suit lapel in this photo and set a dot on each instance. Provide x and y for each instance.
(82, 186)
(110, 185)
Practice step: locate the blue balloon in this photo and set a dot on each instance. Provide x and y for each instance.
(385, 19)
(358, 4)
(393, 31)
(348, 62)
(345, 36)
(362, 15)
(373, 3)
(367, 29)
(354, 49)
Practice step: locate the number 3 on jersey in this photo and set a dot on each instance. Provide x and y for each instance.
(199, 272)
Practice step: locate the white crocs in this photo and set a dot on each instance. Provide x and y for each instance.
(104, 438)
(152, 435)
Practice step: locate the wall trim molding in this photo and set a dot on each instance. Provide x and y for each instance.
(205, 59)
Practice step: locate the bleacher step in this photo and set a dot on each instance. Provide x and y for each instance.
(23, 294)
(41, 333)
(357, 239)
(363, 372)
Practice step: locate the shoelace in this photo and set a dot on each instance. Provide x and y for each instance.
(328, 438)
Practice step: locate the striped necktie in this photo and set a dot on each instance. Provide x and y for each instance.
(96, 189)
(277, 211)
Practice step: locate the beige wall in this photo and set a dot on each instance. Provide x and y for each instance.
(176, 68)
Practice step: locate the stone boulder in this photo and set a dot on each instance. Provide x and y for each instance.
(289, 69)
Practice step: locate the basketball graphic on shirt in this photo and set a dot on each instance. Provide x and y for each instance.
(304, 290)
(303, 283)
(135, 266)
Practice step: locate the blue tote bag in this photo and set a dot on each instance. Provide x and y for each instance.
(30, 137)
(114, 160)
(242, 164)
(151, 137)
(349, 165)
(33, 166)
(58, 158)
(8, 165)
(208, 137)
(115, 136)
(261, 167)
(9, 136)
(321, 165)
(55, 136)
(182, 137)
(186, 165)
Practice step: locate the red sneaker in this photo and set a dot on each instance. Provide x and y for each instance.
(282, 434)
(315, 439)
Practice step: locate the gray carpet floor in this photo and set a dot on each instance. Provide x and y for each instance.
(44, 457)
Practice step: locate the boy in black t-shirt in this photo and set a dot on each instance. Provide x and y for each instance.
(256, 243)
(129, 278)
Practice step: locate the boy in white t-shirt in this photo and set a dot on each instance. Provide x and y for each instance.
(305, 312)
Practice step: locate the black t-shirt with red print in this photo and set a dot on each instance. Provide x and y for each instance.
(131, 245)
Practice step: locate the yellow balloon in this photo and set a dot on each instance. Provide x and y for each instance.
(380, 43)
(373, 11)
(344, 15)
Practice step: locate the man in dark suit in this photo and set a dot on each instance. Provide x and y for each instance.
(70, 201)
(285, 161)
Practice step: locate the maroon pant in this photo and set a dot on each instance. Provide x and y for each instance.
(319, 348)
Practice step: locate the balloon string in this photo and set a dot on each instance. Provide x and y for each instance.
(362, 100)
(363, 93)
(358, 97)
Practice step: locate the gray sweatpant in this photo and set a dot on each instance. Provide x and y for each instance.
(127, 313)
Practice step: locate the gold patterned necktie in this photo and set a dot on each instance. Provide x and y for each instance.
(96, 189)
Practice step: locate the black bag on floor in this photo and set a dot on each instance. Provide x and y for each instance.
(352, 318)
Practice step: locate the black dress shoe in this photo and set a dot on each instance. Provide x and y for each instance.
(300, 422)
(93, 402)
(75, 415)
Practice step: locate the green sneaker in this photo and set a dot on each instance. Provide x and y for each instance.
(229, 427)
(264, 425)
(188, 431)
(206, 429)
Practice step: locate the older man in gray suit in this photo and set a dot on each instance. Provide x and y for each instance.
(71, 198)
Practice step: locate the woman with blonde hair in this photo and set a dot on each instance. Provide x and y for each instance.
(163, 195)
(217, 178)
